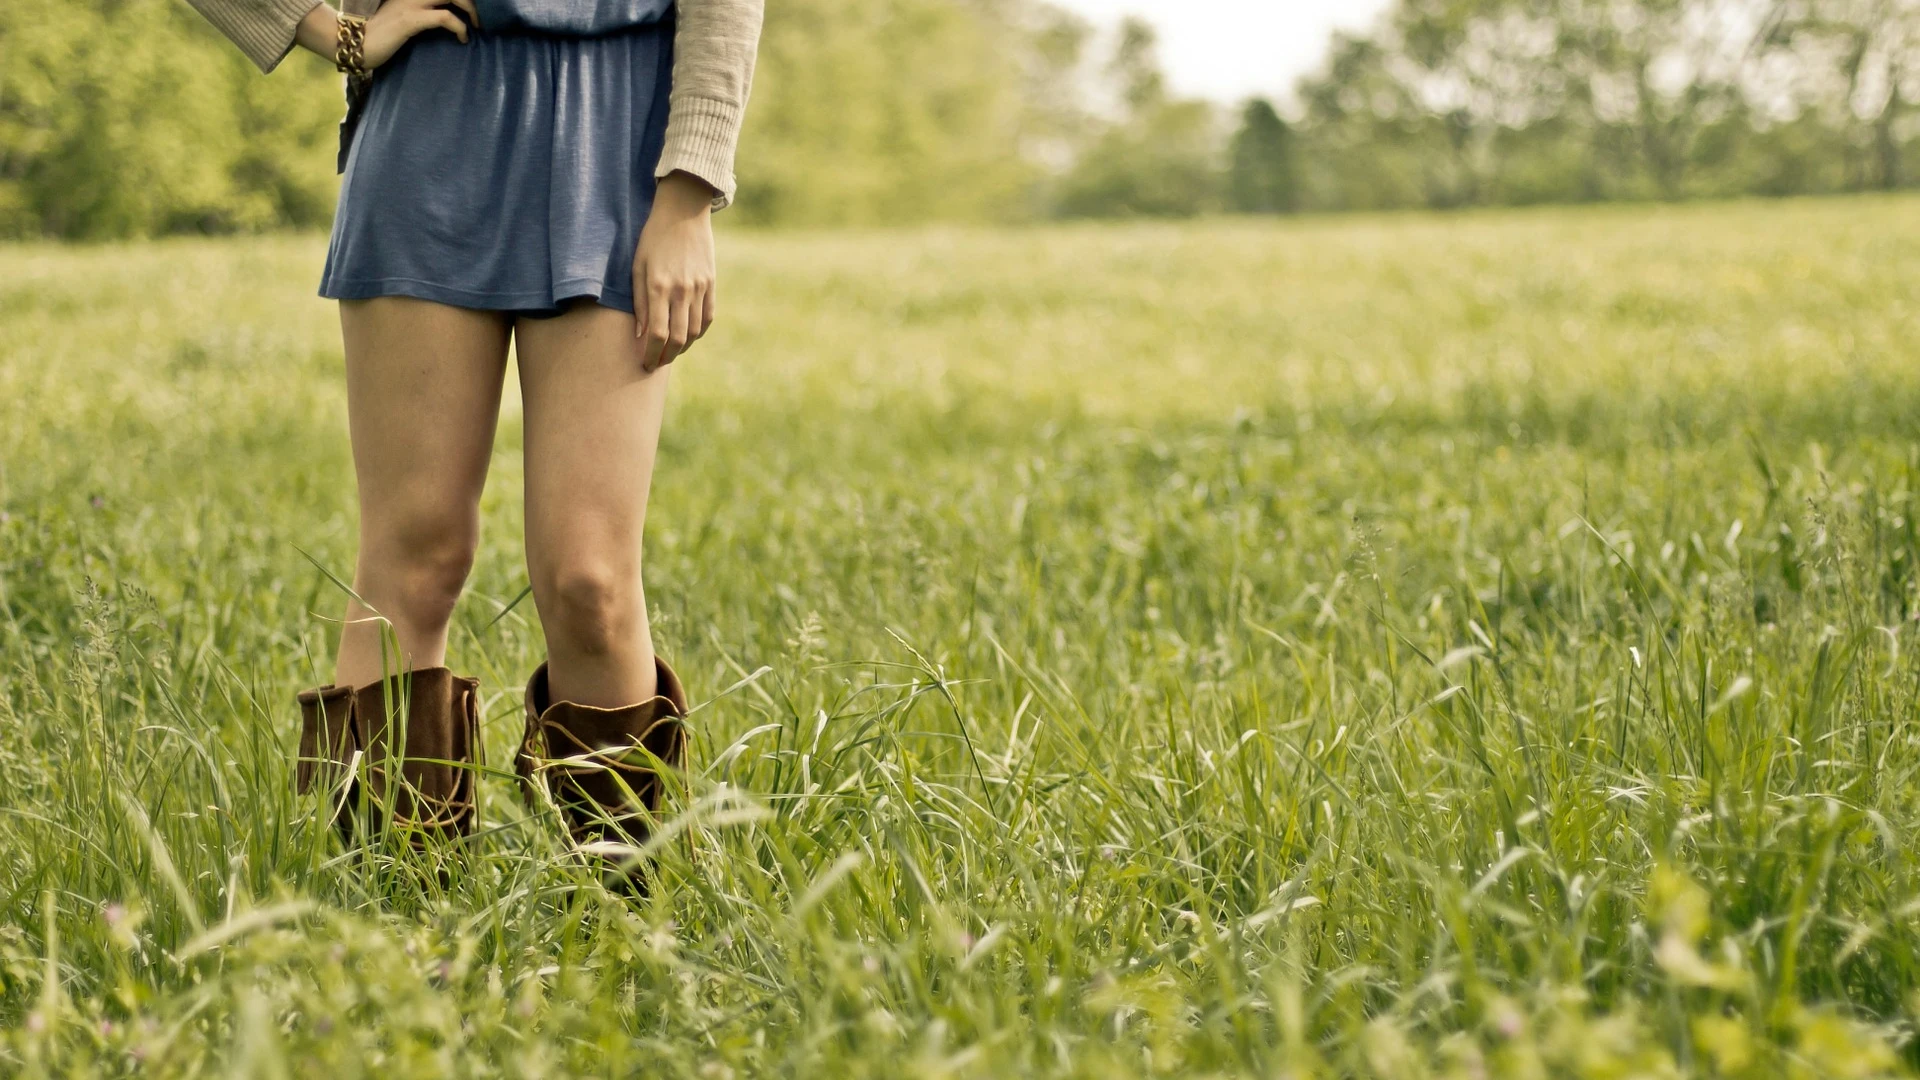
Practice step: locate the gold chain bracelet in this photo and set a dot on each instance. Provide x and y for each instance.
(350, 48)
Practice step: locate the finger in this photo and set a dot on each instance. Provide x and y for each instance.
(473, 13)
(697, 314)
(678, 330)
(447, 20)
(707, 309)
(674, 346)
(639, 300)
(658, 320)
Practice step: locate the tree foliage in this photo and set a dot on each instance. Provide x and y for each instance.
(886, 111)
(1158, 157)
(1471, 102)
(1262, 175)
(130, 117)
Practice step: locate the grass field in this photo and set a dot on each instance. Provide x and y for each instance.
(1399, 647)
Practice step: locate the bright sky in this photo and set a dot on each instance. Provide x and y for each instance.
(1230, 49)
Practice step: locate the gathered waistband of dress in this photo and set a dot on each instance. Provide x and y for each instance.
(557, 18)
(565, 18)
(570, 18)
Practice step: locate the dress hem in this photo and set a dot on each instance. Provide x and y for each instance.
(552, 301)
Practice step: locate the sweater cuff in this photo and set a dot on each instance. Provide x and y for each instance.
(700, 140)
(268, 39)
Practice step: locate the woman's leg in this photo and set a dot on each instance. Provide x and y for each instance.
(423, 396)
(592, 427)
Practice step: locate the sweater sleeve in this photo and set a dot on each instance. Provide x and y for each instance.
(714, 46)
(263, 29)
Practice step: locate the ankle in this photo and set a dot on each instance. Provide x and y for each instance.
(601, 682)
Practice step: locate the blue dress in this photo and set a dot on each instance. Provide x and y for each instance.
(512, 173)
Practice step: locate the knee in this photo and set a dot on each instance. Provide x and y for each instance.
(592, 608)
(420, 562)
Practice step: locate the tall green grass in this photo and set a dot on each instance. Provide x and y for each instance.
(1388, 647)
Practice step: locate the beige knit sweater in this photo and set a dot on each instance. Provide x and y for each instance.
(713, 52)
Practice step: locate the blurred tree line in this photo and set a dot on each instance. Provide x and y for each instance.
(132, 117)
(1474, 102)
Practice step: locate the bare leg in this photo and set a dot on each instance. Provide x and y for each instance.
(423, 396)
(592, 429)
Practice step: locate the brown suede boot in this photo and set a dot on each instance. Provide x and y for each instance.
(584, 758)
(440, 714)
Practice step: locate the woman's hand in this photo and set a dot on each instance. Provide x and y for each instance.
(397, 21)
(393, 25)
(673, 270)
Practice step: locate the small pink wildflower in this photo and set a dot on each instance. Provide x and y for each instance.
(1508, 1023)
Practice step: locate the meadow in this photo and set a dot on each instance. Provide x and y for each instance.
(1402, 646)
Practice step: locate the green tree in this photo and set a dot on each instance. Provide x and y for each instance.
(132, 117)
(1367, 143)
(1875, 75)
(1160, 158)
(885, 111)
(1261, 172)
(1473, 102)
